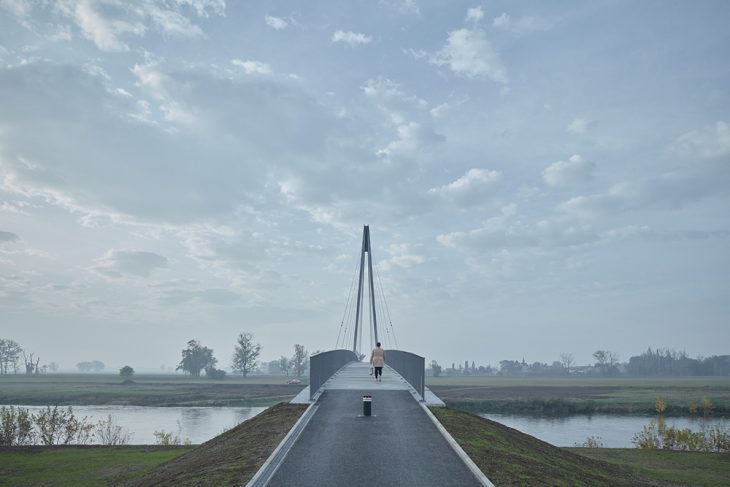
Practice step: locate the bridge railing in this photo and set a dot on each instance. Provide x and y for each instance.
(323, 365)
(410, 366)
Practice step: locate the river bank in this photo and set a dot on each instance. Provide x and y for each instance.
(505, 455)
(686, 396)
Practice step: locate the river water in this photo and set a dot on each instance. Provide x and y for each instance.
(199, 424)
(614, 431)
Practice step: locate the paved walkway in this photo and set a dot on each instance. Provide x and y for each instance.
(397, 445)
(356, 376)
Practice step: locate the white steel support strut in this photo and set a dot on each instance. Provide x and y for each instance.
(365, 248)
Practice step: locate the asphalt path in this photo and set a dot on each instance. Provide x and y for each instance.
(397, 445)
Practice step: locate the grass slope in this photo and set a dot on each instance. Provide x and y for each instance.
(668, 467)
(82, 466)
(508, 457)
(231, 458)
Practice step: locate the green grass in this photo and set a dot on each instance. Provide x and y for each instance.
(675, 467)
(508, 457)
(81, 466)
(581, 395)
(147, 390)
(623, 382)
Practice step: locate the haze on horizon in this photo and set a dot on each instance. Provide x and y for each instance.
(538, 177)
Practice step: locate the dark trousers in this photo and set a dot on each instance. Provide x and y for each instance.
(378, 372)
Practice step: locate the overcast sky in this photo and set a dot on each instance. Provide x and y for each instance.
(538, 177)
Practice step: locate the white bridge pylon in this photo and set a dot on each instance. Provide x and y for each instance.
(358, 312)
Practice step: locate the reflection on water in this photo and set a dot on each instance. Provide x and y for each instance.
(615, 431)
(197, 423)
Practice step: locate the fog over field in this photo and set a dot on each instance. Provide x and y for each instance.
(538, 177)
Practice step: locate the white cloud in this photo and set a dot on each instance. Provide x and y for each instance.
(103, 32)
(403, 256)
(578, 126)
(472, 187)
(711, 142)
(523, 25)
(8, 237)
(120, 263)
(351, 38)
(19, 8)
(412, 138)
(474, 14)
(403, 6)
(251, 67)
(276, 23)
(562, 173)
(468, 53)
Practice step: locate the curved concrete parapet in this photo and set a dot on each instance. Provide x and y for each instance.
(410, 366)
(323, 365)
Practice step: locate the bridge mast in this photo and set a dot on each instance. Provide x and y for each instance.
(365, 248)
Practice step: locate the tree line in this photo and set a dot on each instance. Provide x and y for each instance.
(657, 362)
(197, 358)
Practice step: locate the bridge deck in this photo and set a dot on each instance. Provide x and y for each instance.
(397, 445)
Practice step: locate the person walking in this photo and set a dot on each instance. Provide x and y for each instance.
(377, 359)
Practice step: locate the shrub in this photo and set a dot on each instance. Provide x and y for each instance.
(126, 371)
(657, 435)
(165, 438)
(62, 427)
(16, 426)
(109, 433)
(214, 373)
(592, 442)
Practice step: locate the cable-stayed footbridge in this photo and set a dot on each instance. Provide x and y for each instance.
(357, 431)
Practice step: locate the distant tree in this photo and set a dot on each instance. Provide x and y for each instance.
(93, 366)
(567, 360)
(9, 354)
(53, 367)
(606, 361)
(214, 373)
(126, 371)
(31, 367)
(299, 359)
(510, 367)
(436, 368)
(196, 358)
(285, 364)
(246, 354)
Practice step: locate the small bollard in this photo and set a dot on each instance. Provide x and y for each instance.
(367, 405)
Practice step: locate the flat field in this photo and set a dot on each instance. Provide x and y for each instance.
(81, 466)
(145, 390)
(582, 395)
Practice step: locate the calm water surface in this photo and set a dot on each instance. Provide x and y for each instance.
(615, 431)
(198, 423)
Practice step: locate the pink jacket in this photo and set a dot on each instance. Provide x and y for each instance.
(377, 358)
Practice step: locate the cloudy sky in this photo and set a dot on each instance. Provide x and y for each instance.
(538, 177)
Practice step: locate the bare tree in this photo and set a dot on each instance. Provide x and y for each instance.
(567, 360)
(299, 360)
(246, 354)
(605, 360)
(30, 366)
(285, 364)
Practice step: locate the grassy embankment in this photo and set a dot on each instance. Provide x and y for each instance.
(146, 390)
(228, 459)
(506, 456)
(576, 395)
(509, 457)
